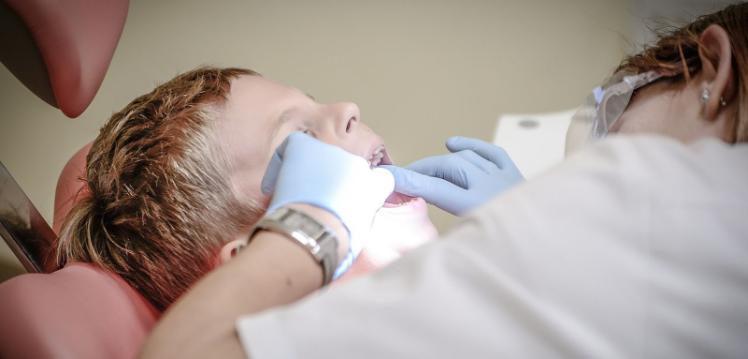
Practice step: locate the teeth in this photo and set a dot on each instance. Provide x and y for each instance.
(376, 157)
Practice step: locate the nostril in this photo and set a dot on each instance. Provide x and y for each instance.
(349, 125)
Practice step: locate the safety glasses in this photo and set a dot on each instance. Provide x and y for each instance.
(604, 107)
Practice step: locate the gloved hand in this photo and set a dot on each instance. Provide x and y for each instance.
(472, 174)
(305, 170)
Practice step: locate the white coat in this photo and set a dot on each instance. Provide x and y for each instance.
(634, 248)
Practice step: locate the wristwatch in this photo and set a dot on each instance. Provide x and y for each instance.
(320, 241)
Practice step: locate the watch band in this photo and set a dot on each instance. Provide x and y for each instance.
(321, 242)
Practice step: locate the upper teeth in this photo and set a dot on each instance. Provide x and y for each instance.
(376, 157)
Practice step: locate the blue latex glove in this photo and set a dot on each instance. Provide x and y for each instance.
(305, 170)
(471, 175)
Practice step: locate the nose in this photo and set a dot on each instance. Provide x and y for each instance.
(347, 118)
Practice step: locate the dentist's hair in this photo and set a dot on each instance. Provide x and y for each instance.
(677, 50)
(160, 203)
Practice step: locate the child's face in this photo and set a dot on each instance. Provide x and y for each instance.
(260, 113)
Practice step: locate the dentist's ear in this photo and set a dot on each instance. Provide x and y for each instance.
(716, 65)
(230, 249)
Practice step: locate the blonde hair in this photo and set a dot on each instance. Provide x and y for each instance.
(677, 50)
(160, 204)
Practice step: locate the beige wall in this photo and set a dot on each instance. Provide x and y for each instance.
(420, 70)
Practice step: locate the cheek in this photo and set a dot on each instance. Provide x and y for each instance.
(358, 142)
(246, 186)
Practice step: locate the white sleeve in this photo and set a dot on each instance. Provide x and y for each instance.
(439, 292)
(268, 338)
(572, 264)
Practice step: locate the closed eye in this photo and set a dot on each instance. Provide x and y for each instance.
(307, 131)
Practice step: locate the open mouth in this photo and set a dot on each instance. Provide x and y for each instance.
(380, 157)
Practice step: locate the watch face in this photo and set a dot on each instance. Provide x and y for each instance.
(304, 223)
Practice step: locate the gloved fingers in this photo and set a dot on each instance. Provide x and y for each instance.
(510, 166)
(271, 173)
(295, 140)
(489, 151)
(451, 168)
(430, 166)
(433, 189)
(476, 160)
(384, 183)
(295, 137)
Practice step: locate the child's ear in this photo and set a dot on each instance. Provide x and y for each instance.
(230, 249)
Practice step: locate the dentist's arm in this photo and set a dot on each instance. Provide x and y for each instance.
(271, 271)
(473, 173)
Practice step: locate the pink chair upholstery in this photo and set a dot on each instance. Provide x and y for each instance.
(73, 44)
(79, 311)
(61, 49)
(71, 186)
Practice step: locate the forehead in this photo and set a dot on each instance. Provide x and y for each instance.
(258, 94)
(256, 103)
(251, 114)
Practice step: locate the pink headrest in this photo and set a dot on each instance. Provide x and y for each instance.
(76, 40)
(71, 186)
(79, 311)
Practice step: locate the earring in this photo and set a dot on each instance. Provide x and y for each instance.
(705, 95)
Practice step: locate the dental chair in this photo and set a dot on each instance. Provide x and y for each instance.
(60, 50)
(78, 311)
